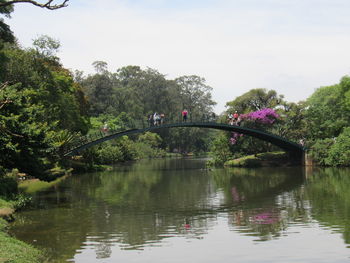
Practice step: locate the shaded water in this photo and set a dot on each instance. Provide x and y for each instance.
(176, 211)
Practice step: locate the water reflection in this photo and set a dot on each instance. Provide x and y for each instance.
(262, 201)
(329, 195)
(148, 204)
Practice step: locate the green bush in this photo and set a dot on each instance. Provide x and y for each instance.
(127, 148)
(339, 153)
(124, 149)
(320, 150)
(8, 186)
(21, 201)
(220, 150)
(109, 154)
(145, 151)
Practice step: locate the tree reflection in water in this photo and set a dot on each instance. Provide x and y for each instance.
(256, 199)
(144, 204)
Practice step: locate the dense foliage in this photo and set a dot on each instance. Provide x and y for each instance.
(321, 123)
(263, 110)
(132, 94)
(39, 101)
(328, 116)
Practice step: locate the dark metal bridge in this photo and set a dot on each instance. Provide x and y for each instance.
(140, 127)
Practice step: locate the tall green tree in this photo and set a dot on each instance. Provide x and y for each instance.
(140, 92)
(328, 123)
(254, 100)
(292, 124)
(195, 95)
(326, 115)
(39, 102)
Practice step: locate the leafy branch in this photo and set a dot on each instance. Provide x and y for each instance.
(48, 4)
(6, 101)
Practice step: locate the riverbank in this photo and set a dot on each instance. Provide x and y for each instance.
(11, 249)
(268, 159)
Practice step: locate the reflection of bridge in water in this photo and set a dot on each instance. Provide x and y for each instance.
(90, 140)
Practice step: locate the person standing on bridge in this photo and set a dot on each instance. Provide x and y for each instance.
(156, 119)
(230, 118)
(105, 127)
(184, 115)
(150, 120)
(236, 118)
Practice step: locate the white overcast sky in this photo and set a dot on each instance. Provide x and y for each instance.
(291, 46)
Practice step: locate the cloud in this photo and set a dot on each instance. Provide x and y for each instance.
(292, 47)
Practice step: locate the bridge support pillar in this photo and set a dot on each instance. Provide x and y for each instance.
(307, 160)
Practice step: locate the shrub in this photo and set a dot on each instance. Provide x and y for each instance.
(320, 150)
(145, 150)
(8, 186)
(220, 150)
(339, 153)
(109, 154)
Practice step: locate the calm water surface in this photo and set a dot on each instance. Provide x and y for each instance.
(174, 210)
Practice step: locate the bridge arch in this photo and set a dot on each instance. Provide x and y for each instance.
(281, 142)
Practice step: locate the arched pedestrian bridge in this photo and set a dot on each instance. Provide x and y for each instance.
(97, 138)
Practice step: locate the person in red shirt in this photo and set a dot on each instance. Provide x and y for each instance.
(184, 115)
(236, 118)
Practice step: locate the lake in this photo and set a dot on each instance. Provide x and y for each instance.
(176, 210)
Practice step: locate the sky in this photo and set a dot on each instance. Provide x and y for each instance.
(291, 46)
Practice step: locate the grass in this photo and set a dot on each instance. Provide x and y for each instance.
(5, 204)
(32, 186)
(11, 249)
(261, 159)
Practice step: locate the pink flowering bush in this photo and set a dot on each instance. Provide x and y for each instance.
(264, 116)
(257, 119)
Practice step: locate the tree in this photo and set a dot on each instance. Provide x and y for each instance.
(22, 139)
(326, 115)
(258, 109)
(220, 149)
(139, 92)
(40, 108)
(99, 89)
(46, 46)
(6, 35)
(254, 100)
(345, 93)
(47, 4)
(292, 123)
(6, 8)
(195, 95)
(100, 66)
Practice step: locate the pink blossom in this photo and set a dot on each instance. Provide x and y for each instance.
(234, 137)
(264, 116)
